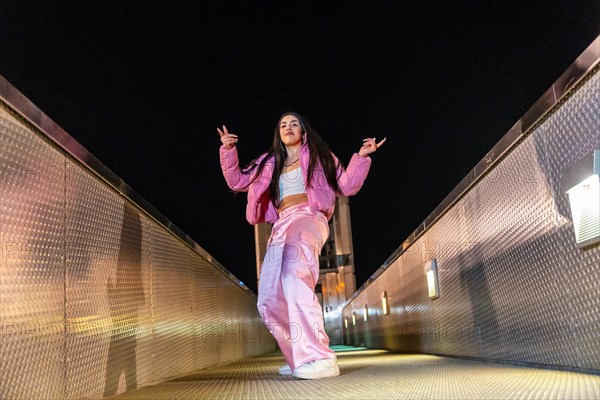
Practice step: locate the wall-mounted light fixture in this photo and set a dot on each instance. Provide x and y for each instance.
(581, 182)
(353, 318)
(346, 323)
(432, 279)
(366, 313)
(384, 303)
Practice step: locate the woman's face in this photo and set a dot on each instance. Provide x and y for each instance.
(290, 130)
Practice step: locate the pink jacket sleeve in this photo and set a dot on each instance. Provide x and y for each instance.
(236, 179)
(352, 179)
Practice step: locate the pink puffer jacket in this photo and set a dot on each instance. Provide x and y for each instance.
(320, 195)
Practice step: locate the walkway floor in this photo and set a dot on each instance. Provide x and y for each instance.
(377, 374)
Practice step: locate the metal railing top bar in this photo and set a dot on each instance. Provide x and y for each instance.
(578, 70)
(20, 104)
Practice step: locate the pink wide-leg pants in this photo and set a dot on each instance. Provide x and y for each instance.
(290, 271)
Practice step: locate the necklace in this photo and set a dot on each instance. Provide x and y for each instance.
(287, 164)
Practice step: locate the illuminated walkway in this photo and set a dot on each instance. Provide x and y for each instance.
(377, 374)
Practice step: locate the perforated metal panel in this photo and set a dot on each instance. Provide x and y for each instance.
(206, 330)
(513, 284)
(454, 313)
(565, 138)
(108, 299)
(521, 309)
(32, 273)
(224, 330)
(96, 297)
(93, 236)
(172, 314)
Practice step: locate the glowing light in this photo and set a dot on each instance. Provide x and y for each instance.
(584, 199)
(432, 279)
(581, 182)
(384, 304)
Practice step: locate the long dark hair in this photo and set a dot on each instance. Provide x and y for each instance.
(320, 157)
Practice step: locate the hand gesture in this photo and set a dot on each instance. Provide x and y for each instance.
(229, 140)
(369, 146)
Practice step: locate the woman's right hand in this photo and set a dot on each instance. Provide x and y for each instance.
(229, 140)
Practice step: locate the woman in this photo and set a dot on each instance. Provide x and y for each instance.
(293, 186)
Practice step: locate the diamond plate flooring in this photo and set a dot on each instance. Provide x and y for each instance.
(377, 374)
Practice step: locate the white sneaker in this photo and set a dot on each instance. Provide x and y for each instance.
(285, 370)
(317, 369)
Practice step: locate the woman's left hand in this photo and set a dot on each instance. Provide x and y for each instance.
(369, 146)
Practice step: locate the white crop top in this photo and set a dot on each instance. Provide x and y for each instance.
(291, 182)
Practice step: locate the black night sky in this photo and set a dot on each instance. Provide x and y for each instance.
(143, 86)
